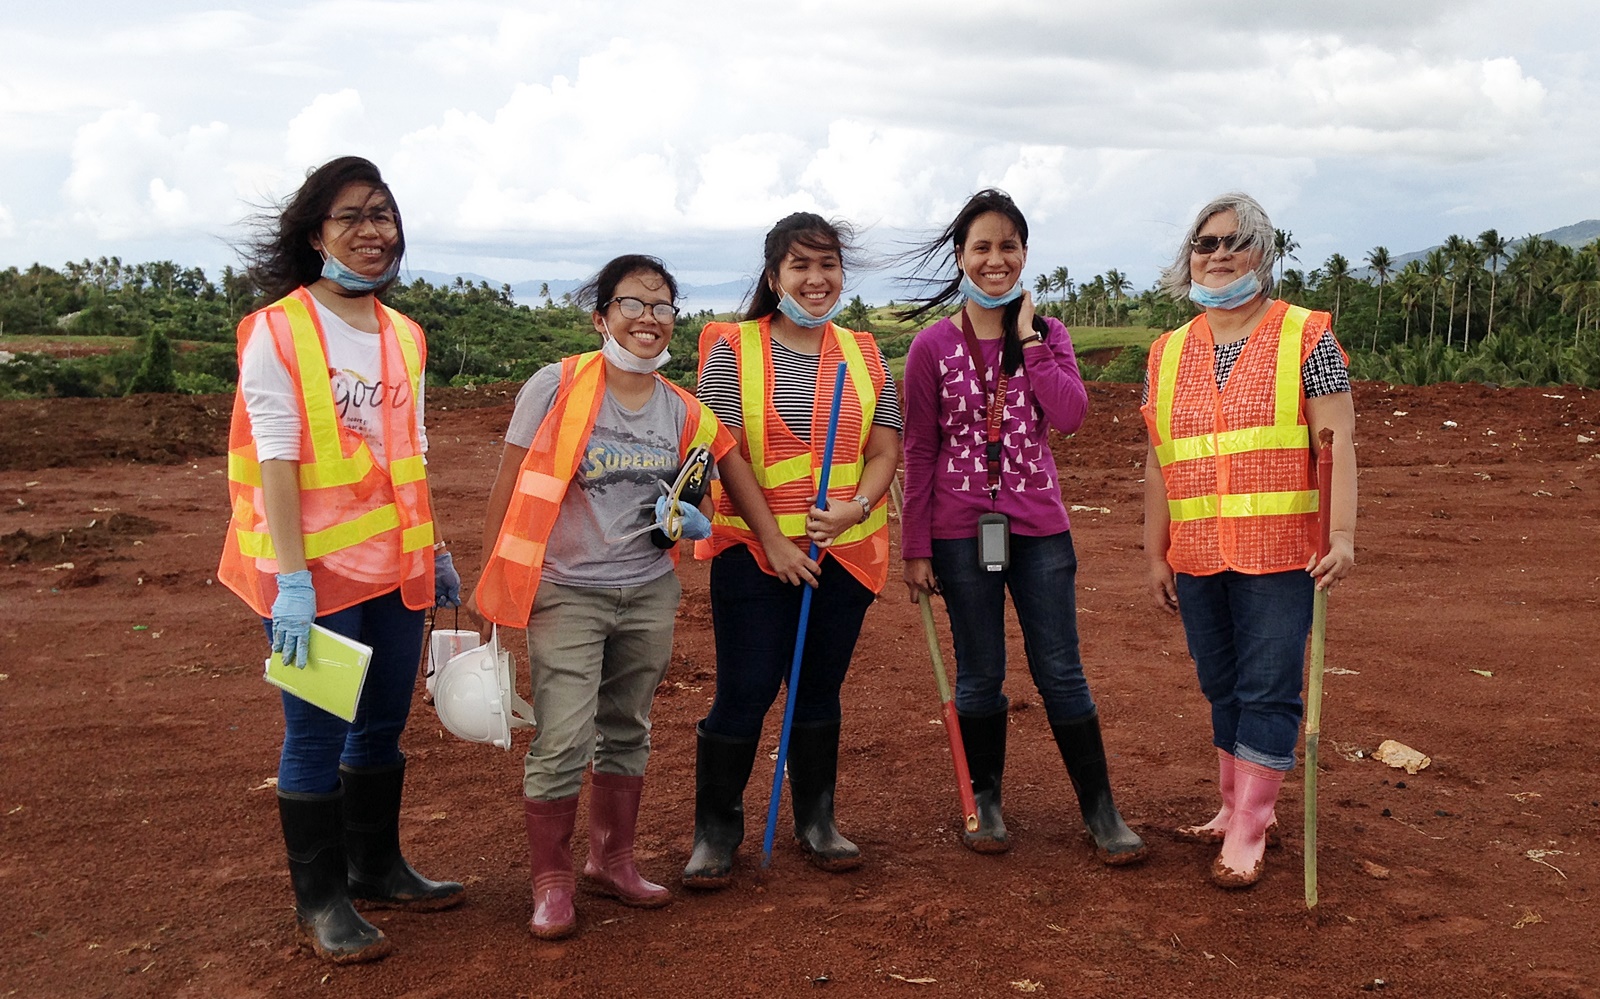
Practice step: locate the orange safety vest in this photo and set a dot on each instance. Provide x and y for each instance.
(366, 529)
(789, 470)
(1238, 465)
(511, 576)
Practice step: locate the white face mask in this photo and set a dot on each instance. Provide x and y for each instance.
(625, 359)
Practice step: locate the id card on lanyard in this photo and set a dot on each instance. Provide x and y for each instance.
(994, 528)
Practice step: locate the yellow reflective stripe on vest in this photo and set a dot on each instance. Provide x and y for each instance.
(1291, 438)
(328, 466)
(258, 544)
(406, 470)
(1244, 505)
(244, 469)
(522, 551)
(753, 386)
(408, 347)
(1286, 380)
(856, 367)
(1167, 381)
(793, 525)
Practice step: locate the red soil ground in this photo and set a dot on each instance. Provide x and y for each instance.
(140, 855)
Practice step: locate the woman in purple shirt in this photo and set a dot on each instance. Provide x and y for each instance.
(983, 509)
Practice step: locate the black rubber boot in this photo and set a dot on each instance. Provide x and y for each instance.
(1085, 756)
(984, 739)
(813, 771)
(721, 771)
(313, 834)
(379, 874)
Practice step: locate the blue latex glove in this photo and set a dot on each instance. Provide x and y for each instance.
(446, 582)
(695, 525)
(292, 614)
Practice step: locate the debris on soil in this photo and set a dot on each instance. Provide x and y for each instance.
(1375, 870)
(1528, 919)
(1400, 756)
(98, 535)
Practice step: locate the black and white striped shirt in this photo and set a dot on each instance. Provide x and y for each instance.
(794, 378)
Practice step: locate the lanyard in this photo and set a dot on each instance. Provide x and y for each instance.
(994, 404)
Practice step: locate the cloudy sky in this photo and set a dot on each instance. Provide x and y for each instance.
(535, 140)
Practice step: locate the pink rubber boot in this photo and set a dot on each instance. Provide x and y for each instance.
(613, 817)
(550, 856)
(1212, 832)
(1245, 844)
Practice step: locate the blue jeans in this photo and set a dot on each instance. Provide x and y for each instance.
(1247, 634)
(755, 618)
(316, 742)
(1041, 577)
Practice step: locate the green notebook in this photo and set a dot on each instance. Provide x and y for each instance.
(332, 681)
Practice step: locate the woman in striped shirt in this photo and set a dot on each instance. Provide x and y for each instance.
(770, 381)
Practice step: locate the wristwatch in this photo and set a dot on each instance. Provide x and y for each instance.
(866, 507)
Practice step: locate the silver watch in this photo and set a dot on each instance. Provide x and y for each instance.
(866, 507)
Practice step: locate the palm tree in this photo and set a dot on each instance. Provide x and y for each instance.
(1042, 286)
(1118, 286)
(1453, 248)
(1060, 279)
(1378, 259)
(1494, 246)
(1409, 284)
(1337, 273)
(1472, 264)
(1283, 242)
(1435, 269)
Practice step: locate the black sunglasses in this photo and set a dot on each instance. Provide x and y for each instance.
(1211, 244)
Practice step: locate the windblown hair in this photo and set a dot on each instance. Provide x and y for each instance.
(934, 268)
(809, 230)
(281, 258)
(1255, 235)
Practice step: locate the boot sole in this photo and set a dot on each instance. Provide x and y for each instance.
(1213, 837)
(376, 952)
(1224, 877)
(554, 932)
(988, 847)
(595, 886)
(410, 904)
(833, 865)
(1123, 859)
(707, 882)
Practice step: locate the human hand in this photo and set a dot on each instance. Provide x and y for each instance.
(1163, 586)
(692, 524)
(1335, 565)
(446, 581)
(822, 526)
(919, 577)
(790, 564)
(1025, 317)
(292, 614)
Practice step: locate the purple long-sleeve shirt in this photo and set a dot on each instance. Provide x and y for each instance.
(946, 433)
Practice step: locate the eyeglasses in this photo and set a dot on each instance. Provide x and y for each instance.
(384, 220)
(1211, 244)
(631, 308)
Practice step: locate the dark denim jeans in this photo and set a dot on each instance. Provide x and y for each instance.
(1041, 577)
(755, 618)
(315, 742)
(1247, 634)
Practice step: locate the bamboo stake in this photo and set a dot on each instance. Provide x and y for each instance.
(1319, 635)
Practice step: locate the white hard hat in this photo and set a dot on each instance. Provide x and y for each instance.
(442, 645)
(473, 694)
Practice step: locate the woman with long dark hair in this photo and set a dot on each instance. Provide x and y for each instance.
(984, 514)
(571, 556)
(770, 379)
(333, 524)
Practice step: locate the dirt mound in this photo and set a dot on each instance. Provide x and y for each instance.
(140, 853)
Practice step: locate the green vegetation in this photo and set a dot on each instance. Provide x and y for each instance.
(1481, 309)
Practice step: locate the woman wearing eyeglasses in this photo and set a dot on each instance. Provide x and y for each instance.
(1234, 403)
(573, 554)
(333, 523)
(770, 380)
(984, 515)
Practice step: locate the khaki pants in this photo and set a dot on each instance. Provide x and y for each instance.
(597, 656)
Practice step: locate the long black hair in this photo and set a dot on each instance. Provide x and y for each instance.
(809, 230)
(929, 260)
(282, 258)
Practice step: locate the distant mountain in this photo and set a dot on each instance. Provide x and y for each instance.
(1575, 235)
(722, 297)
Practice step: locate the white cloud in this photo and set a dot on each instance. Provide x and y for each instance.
(8, 225)
(129, 177)
(331, 125)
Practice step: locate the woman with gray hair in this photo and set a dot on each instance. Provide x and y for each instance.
(1234, 402)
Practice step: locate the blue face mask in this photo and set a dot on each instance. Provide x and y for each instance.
(1229, 296)
(800, 317)
(349, 280)
(970, 289)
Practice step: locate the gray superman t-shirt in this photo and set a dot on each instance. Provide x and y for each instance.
(615, 488)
